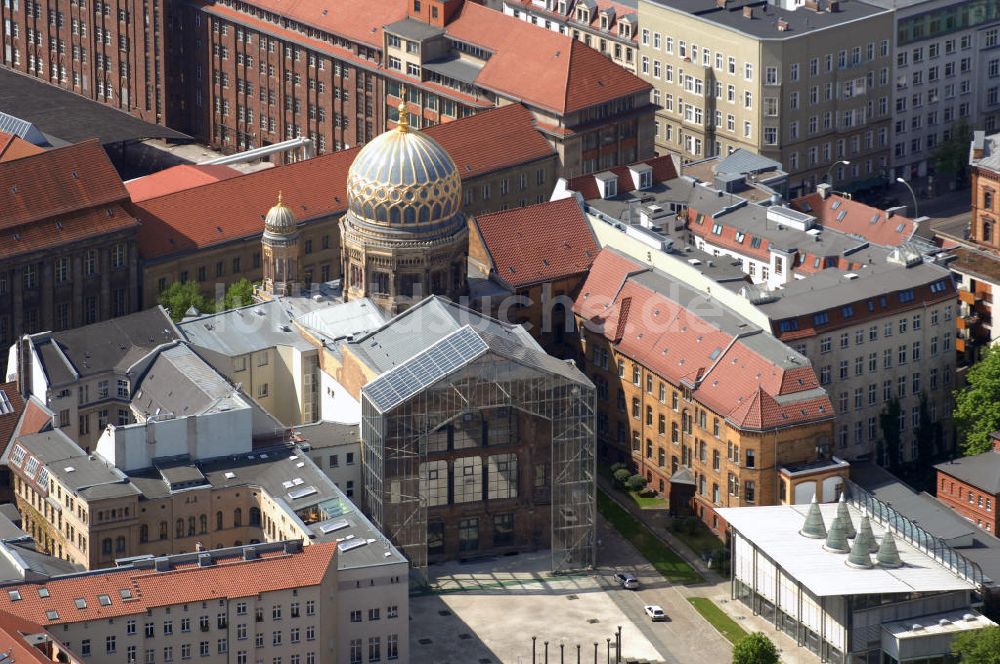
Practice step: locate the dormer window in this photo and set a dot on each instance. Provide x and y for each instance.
(562, 7)
(645, 180)
(624, 30)
(583, 14)
(604, 22)
(611, 188)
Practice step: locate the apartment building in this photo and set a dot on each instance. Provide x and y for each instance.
(970, 486)
(809, 87)
(69, 255)
(87, 376)
(689, 390)
(607, 26)
(117, 53)
(502, 159)
(278, 602)
(947, 70)
(839, 283)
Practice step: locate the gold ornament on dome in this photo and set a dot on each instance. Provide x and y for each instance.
(403, 178)
(280, 220)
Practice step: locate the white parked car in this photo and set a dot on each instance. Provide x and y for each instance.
(655, 613)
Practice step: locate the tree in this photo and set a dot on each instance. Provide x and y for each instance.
(636, 483)
(755, 649)
(977, 406)
(978, 646)
(930, 435)
(181, 296)
(238, 295)
(889, 421)
(952, 156)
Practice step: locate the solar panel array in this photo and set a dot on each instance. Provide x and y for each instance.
(454, 351)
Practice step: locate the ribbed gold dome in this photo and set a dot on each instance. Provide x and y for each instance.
(403, 178)
(279, 219)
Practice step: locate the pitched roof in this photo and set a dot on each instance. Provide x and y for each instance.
(856, 218)
(14, 633)
(357, 20)
(317, 187)
(14, 147)
(226, 578)
(177, 178)
(57, 182)
(538, 243)
(746, 377)
(11, 408)
(66, 229)
(980, 470)
(663, 170)
(541, 67)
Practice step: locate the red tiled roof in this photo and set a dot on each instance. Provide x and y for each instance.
(36, 418)
(225, 579)
(538, 243)
(177, 178)
(482, 143)
(65, 229)
(727, 238)
(663, 170)
(14, 147)
(357, 20)
(679, 345)
(595, 22)
(13, 629)
(857, 219)
(57, 182)
(539, 66)
(8, 421)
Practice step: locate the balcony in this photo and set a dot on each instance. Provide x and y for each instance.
(968, 297)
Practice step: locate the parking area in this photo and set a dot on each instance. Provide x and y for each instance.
(488, 611)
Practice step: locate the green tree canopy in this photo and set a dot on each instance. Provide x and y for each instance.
(238, 295)
(952, 156)
(977, 406)
(181, 296)
(978, 646)
(755, 649)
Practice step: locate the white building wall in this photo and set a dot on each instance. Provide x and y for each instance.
(336, 403)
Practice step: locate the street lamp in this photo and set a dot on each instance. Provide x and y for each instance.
(912, 193)
(829, 171)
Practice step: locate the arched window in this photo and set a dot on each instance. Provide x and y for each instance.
(237, 517)
(218, 520)
(255, 516)
(180, 528)
(192, 526)
(120, 545)
(203, 523)
(106, 546)
(144, 533)
(163, 530)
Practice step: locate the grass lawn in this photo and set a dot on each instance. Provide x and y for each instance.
(713, 614)
(669, 564)
(702, 541)
(650, 503)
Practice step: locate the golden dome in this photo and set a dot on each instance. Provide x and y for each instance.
(279, 219)
(403, 178)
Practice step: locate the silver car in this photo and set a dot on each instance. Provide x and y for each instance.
(627, 580)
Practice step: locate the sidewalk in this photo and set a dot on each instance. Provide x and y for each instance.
(715, 587)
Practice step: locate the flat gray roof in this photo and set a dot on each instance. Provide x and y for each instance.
(413, 29)
(456, 68)
(245, 330)
(764, 24)
(345, 319)
(980, 470)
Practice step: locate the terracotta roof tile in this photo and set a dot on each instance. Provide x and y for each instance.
(538, 243)
(317, 187)
(36, 418)
(357, 20)
(13, 629)
(676, 343)
(14, 147)
(177, 178)
(8, 421)
(663, 170)
(855, 218)
(541, 67)
(225, 579)
(57, 182)
(65, 229)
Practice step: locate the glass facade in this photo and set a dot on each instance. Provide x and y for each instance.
(959, 16)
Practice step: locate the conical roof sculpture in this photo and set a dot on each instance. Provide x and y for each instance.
(865, 530)
(888, 555)
(836, 538)
(845, 518)
(860, 555)
(813, 528)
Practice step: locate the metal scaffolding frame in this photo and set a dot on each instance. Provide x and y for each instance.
(467, 372)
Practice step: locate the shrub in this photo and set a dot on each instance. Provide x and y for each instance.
(615, 467)
(621, 476)
(635, 483)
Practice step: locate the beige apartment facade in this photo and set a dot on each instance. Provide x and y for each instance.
(808, 88)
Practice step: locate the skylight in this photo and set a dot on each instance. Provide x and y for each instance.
(80, 602)
(15, 595)
(52, 615)
(125, 593)
(351, 544)
(302, 493)
(43, 592)
(326, 528)
(104, 600)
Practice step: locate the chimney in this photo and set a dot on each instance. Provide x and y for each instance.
(782, 25)
(748, 12)
(995, 436)
(833, 6)
(249, 553)
(824, 189)
(721, 4)
(24, 367)
(204, 560)
(162, 564)
(978, 144)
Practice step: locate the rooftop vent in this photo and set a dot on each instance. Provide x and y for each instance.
(860, 556)
(162, 564)
(888, 555)
(249, 553)
(813, 528)
(836, 538)
(944, 622)
(845, 518)
(204, 560)
(969, 617)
